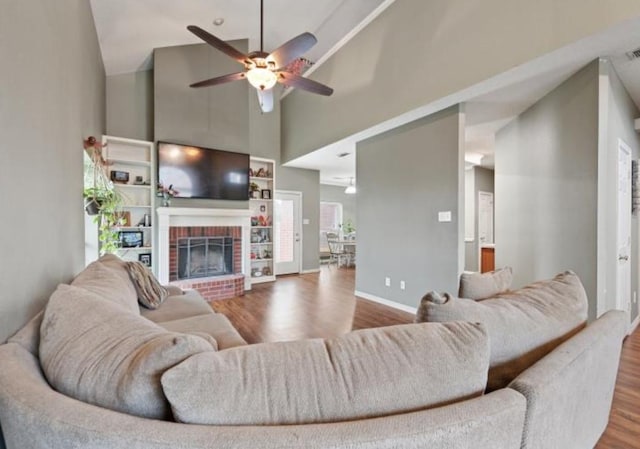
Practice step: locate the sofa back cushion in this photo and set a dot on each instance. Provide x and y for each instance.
(29, 336)
(367, 373)
(485, 285)
(569, 392)
(523, 325)
(108, 278)
(96, 352)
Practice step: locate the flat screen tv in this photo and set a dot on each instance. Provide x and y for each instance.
(197, 172)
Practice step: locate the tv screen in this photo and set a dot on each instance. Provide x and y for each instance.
(197, 172)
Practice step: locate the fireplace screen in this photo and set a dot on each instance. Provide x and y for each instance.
(200, 257)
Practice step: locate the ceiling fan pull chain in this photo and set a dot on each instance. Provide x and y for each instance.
(261, 25)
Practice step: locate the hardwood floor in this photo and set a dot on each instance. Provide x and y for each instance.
(623, 431)
(323, 305)
(306, 306)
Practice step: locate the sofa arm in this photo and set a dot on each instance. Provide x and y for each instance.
(569, 391)
(34, 416)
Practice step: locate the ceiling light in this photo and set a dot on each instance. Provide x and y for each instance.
(218, 21)
(351, 189)
(261, 78)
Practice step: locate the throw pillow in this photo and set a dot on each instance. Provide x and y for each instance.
(364, 374)
(485, 285)
(523, 325)
(150, 293)
(108, 278)
(94, 351)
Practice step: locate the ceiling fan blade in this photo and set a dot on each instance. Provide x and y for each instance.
(293, 80)
(265, 97)
(218, 43)
(296, 47)
(220, 79)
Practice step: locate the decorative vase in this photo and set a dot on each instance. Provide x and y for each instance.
(166, 201)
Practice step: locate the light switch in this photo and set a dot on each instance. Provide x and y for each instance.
(305, 221)
(444, 217)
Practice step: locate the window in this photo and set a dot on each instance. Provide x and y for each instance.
(330, 221)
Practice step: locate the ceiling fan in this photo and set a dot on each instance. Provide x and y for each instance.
(264, 70)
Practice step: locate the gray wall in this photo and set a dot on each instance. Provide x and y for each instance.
(130, 105)
(52, 96)
(386, 69)
(546, 186)
(335, 194)
(483, 181)
(307, 182)
(52, 87)
(226, 117)
(617, 123)
(405, 177)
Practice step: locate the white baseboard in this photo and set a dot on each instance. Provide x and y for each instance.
(313, 270)
(386, 302)
(634, 325)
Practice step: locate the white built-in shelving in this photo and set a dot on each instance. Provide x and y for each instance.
(135, 159)
(262, 181)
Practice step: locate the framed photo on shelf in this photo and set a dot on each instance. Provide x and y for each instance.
(145, 259)
(130, 239)
(123, 218)
(119, 176)
(266, 194)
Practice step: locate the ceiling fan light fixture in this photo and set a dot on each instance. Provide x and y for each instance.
(261, 78)
(351, 189)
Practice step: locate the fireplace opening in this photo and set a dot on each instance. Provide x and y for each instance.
(200, 257)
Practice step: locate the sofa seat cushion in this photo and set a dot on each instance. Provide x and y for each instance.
(485, 285)
(178, 306)
(96, 352)
(367, 373)
(216, 325)
(523, 325)
(108, 278)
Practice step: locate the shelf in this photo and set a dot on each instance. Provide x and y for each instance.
(260, 178)
(260, 260)
(261, 227)
(129, 162)
(264, 200)
(263, 244)
(132, 186)
(136, 248)
(134, 228)
(260, 279)
(131, 206)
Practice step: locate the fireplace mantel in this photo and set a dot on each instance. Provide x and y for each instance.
(187, 216)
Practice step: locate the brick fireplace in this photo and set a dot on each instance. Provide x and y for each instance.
(200, 233)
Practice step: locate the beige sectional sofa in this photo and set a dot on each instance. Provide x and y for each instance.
(412, 386)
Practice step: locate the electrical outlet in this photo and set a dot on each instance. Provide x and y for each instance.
(387, 282)
(402, 285)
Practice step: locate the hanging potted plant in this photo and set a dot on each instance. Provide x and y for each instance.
(101, 200)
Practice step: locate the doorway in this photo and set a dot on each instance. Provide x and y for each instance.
(486, 247)
(288, 232)
(623, 236)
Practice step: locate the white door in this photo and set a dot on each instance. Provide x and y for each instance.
(288, 232)
(623, 266)
(485, 217)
